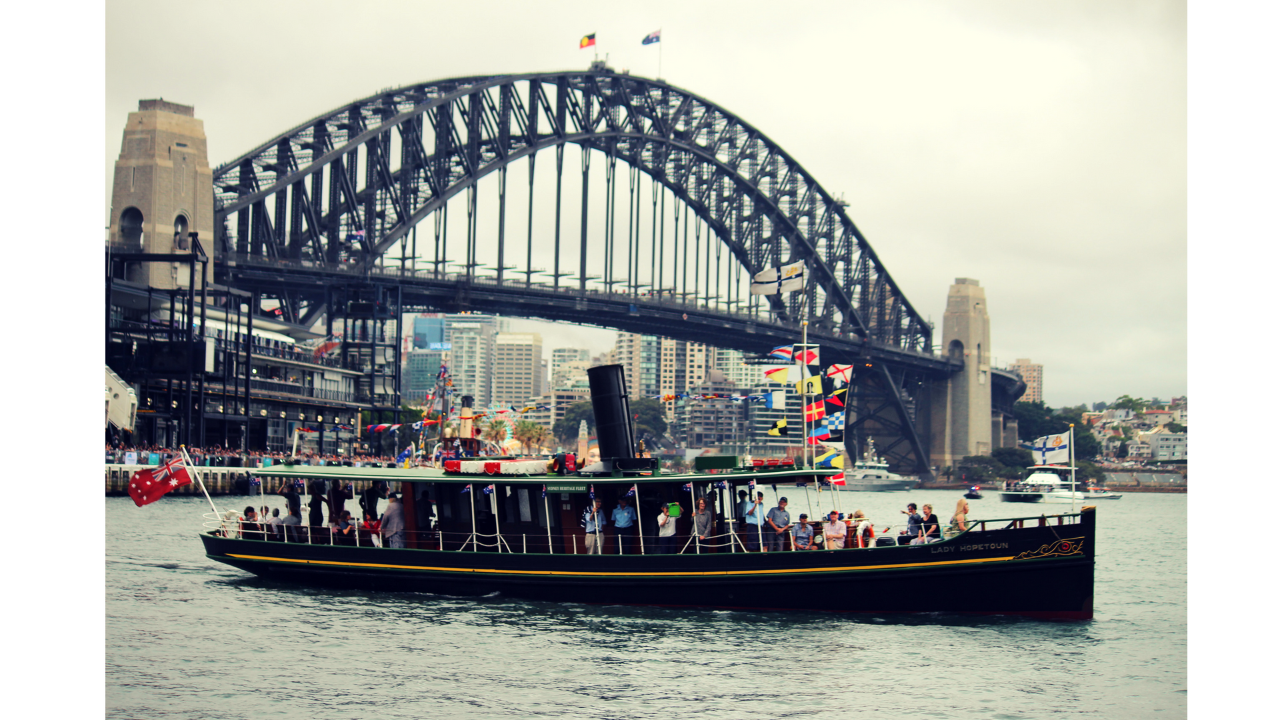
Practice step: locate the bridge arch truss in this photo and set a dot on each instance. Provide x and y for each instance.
(345, 189)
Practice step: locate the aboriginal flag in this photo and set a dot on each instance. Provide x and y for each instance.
(587, 41)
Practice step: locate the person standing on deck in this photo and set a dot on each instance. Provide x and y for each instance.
(777, 523)
(292, 501)
(703, 521)
(755, 523)
(624, 525)
(744, 506)
(666, 531)
(393, 522)
(369, 498)
(315, 506)
(593, 522)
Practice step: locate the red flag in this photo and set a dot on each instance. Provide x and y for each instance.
(146, 486)
(837, 479)
(814, 411)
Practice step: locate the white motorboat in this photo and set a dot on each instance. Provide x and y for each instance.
(871, 474)
(1044, 484)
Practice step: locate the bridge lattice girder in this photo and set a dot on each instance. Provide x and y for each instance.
(301, 194)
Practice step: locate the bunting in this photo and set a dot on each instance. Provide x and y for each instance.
(840, 373)
(814, 411)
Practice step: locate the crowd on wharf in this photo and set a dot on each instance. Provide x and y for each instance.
(218, 456)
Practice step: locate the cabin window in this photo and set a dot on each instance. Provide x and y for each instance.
(525, 514)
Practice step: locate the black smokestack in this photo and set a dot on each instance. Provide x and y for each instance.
(613, 412)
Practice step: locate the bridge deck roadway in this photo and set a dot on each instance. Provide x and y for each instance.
(668, 317)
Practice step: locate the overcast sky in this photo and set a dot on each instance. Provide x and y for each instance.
(1037, 147)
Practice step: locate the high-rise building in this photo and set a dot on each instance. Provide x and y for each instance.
(517, 368)
(471, 356)
(568, 362)
(420, 370)
(429, 331)
(1033, 375)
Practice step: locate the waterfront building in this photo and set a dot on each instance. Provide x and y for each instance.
(1033, 375)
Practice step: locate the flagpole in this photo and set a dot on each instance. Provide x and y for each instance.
(639, 526)
(186, 463)
(1071, 450)
(546, 507)
(659, 53)
(472, 492)
(497, 526)
(693, 515)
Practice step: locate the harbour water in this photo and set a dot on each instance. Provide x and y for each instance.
(190, 638)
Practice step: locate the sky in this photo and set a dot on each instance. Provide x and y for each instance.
(1040, 148)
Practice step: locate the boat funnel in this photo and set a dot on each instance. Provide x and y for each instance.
(464, 420)
(612, 410)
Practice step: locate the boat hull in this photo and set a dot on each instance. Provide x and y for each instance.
(1042, 571)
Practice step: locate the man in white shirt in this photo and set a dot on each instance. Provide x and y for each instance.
(667, 531)
(833, 531)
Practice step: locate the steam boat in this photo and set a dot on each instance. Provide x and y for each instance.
(513, 526)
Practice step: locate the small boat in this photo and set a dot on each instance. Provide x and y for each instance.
(1044, 483)
(512, 526)
(974, 493)
(871, 474)
(1097, 493)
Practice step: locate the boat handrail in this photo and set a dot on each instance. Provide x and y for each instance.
(230, 524)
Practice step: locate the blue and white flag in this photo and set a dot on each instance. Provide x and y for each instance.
(632, 491)
(722, 485)
(688, 487)
(652, 38)
(488, 489)
(254, 481)
(775, 399)
(834, 422)
(1052, 449)
(404, 454)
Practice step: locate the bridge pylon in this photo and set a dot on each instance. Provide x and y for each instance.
(961, 414)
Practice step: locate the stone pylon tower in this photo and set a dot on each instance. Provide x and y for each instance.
(961, 411)
(163, 190)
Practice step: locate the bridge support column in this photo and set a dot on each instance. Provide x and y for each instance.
(961, 413)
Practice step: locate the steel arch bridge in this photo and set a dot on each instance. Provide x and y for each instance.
(327, 204)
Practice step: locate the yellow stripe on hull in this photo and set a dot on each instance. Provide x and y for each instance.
(804, 571)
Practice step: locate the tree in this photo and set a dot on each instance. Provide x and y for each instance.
(1124, 402)
(1176, 427)
(1016, 459)
(496, 431)
(1035, 420)
(980, 468)
(566, 430)
(649, 415)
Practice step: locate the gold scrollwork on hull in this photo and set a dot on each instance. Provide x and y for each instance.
(1057, 548)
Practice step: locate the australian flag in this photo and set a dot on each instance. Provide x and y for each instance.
(652, 38)
(544, 492)
(466, 489)
(255, 481)
(632, 491)
(591, 490)
(688, 487)
(488, 489)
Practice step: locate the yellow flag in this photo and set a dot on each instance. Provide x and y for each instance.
(811, 385)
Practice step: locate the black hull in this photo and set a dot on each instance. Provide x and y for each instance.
(1042, 571)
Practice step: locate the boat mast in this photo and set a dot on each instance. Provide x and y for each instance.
(1071, 449)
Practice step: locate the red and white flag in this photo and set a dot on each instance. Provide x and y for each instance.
(837, 479)
(146, 486)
